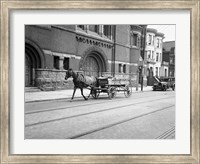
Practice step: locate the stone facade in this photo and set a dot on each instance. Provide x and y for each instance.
(169, 57)
(50, 79)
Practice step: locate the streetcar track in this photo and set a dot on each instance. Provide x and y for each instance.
(167, 133)
(116, 123)
(79, 115)
(68, 107)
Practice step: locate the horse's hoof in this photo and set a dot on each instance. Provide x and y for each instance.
(70, 100)
(86, 99)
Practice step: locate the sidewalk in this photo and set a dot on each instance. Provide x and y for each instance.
(64, 94)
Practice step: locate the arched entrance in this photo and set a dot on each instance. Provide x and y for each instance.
(28, 71)
(94, 62)
(32, 61)
(94, 65)
(91, 66)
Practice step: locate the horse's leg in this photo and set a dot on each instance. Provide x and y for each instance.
(73, 93)
(90, 93)
(82, 94)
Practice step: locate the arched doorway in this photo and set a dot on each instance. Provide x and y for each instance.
(91, 66)
(94, 64)
(28, 71)
(32, 61)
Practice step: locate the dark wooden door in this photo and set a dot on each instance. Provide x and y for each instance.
(28, 72)
(91, 66)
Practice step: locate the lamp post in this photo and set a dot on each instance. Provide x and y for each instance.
(141, 71)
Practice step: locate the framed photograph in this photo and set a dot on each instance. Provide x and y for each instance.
(137, 64)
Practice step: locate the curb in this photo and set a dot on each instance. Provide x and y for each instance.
(68, 98)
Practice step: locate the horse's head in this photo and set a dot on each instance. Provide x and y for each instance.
(69, 74)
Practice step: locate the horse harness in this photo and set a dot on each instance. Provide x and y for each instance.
(86, 79)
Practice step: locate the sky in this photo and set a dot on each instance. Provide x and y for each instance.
(168, 30)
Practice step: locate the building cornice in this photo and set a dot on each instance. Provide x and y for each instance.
(152, 30)
(160, 34)
(136, 28)
(97, 37)
(94, 42)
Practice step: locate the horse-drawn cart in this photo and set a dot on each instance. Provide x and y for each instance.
(103, 86)
(97, 85)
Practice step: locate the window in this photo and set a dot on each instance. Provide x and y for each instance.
(56, 62)
(138, 40)
(158, 42)
(157, 56)
(94, 28)
(107, 31)
(124, 68)
(170, 73)
(150, 39)
(152, 55)
(120, 68)
(134, 43)
(81, 26)
(171, 61)
(66, 63)
(148, 54)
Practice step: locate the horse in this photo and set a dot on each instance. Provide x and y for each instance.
(80, 81)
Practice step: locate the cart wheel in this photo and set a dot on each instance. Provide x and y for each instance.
(112, 92)
(127, 91)
(95, 94)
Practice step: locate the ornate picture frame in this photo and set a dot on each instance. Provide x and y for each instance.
(7, 6)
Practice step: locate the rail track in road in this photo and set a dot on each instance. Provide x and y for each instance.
(167, 133)
(164, 135)
(142, 116)
(94, 102)
(88, 113)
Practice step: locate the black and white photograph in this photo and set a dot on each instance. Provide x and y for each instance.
(86, 81)
(99, 81)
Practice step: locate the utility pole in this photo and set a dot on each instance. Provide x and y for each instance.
(114, 50)
(143, 53)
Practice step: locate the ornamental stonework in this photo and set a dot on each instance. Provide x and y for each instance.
(93, 42)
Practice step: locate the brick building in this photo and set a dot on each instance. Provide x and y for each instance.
(169, 57)
(97, 50)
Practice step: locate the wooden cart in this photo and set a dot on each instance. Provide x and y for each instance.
(103, 86)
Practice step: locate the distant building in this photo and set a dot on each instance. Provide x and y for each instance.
(154, 44)
(97, 50)
(169, 57)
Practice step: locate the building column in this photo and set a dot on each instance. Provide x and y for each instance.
(61, 60)
(101, 30)
(87, 28)
(122, 68)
